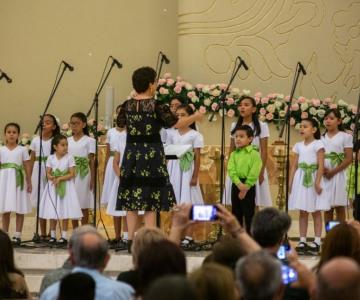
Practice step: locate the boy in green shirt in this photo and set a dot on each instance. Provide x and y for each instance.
(244, 168)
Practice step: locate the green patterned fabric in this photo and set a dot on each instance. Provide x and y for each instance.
(82, 166)
(186, 161)
(335, 158)
(43, 158)
(20, 173)
(61, 187)
(308, 169)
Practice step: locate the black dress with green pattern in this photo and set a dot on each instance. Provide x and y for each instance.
(144, 179)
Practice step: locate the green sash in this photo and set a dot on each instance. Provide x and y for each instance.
(82, 166)
(20, 174)
(308, 170)
(43, 158)
(61, 187)
(335, 158)
(186, 161)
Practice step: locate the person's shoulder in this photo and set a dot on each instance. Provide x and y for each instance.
(115, 286)
(263, 124)
(51, 292)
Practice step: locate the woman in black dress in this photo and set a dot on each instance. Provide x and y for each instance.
(144, 180)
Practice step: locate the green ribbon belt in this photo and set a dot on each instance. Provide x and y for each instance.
(20, 174)
(82, 166)
(335, 158)
(61, 187)
(43, 158)
(112, 153)
(186, 161)
(308, 170)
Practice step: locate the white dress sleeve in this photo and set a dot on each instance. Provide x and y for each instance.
(92, 145)
(108, 137)
(295, 148)
(33, 144)
(71, 161)
(49, 161)
(264, 130)
(319, 145)
(348, 140)
(198, 140)
(233, 124)
(25, 154)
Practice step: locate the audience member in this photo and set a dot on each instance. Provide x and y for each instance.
(259, 277)
(77, 286)
(215, 282)
(89, 255)
(175, 287)
(12, 282)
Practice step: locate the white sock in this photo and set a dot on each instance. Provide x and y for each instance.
(125, 235)
(64, 235)
(317, 240)
(53, 234)
(17, 234)
(302, 239)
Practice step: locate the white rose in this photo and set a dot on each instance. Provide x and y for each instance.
(312, 111)
(205, 89)
(215, 93)
(188, 86)
(342, 103)
(282, 113)
(195, 99)
(246, 92)
(342, 114)
(321, 113)
(270, 108)
(346, 120)
(280, 96)
(207, 102)
(304, 106)
(213, 119)
(235, 91)
(297, 126)
(278, 104)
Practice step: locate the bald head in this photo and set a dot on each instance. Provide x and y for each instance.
(339, 279)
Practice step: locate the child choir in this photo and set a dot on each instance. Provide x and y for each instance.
(317, 178)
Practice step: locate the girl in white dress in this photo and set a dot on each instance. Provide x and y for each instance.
(338, 156)
(248, 116)
(50, 129)
(184, 172)
(82, 148)
(173, 104)
(306, 185)
(59, 200)
(15, 180)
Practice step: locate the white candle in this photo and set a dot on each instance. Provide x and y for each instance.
(109, 106)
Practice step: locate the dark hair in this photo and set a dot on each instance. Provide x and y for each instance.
(337, 114)
(269, 226)
(248, 130)
(255, 120)
(179, 287)
(7, 263)
(178, 98)
(342, 240)
(142, 77)
(157, 260)
(77, 286)
(189, 111)
(315, 124)
(55, 141)
(16, 125)
(83, 119)
(57, 127)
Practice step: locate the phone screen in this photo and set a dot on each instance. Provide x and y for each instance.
(330, 225)
(281, 254)
(288, 274)
(203, 213)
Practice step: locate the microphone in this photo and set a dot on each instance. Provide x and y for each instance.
(243, 63)
(116, 62)
(4, 75)
(302, 69)
(166, 60)
(70, 67)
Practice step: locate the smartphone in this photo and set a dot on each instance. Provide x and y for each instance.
(330, 225)
(289, 275)
(281, 254)
(203, 213)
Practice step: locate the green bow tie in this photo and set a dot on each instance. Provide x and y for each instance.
(308, 170)
(43, 158)
(82, 166)
(61, 187)
(19, 173)
(335, 158)
(186, 161)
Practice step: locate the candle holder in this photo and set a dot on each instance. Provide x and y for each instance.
(279, 154)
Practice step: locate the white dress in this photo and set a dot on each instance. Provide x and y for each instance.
(46, 149)
(262, 191)
(306, 198)
(113, 137)
(51, 205)
(111, 208)
(180, 180)
(82, 148)
(12, 197)
(337, 184)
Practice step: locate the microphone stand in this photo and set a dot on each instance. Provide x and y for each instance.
(95, 104)
(356, 212)
(159, 68)
(39, 127)
(286, 124)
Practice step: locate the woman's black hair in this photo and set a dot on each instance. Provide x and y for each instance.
(255, 120)
(55, 141)
(12, 124)
(314, 124)
(180, 99)
(142, 77)
(83, 119)
(337, 114)
(189, 111)
(57, 127)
